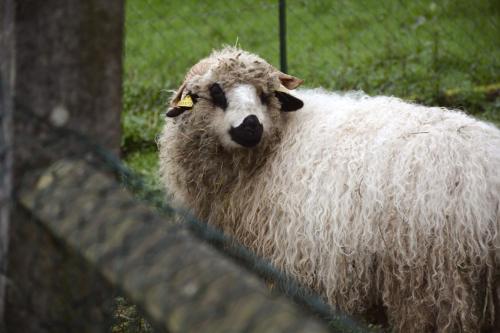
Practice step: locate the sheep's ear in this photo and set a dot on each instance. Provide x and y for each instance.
(178, 95)
(290, 82)
(183, 105)
(175, 111)
(288, 102)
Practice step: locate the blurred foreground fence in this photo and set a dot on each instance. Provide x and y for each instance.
(72, 234)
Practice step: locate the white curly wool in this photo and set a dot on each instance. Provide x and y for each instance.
(373, 202)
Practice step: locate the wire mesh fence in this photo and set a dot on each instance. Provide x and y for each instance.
(391, 47)
(82, 200)
(435, 52)
(443, 52)
(78, 239)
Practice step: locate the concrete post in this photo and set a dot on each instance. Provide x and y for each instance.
(6, 83)
(61, 65)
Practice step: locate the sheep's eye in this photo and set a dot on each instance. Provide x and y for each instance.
(194, 97)
(218, 96)
(264, 98)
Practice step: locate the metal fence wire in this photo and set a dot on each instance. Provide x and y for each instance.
(91, 247)
(412, 49)
(78, 200)
(436, 52)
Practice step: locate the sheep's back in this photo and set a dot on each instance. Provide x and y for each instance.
(370, 186)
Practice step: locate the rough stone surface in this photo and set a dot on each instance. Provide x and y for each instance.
(54, 289)
(68, 70)
(6, 83)
(182, 284)
(65, 72)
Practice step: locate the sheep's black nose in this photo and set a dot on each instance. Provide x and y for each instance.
(249, 133)
(251, 122)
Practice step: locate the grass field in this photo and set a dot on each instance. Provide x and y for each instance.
(442, 52)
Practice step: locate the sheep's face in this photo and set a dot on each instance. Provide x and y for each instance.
(241, 116)
(239, 100)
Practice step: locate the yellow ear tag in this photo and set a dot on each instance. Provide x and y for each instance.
(186, 102)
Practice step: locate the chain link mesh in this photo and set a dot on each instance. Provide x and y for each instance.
(435, 52)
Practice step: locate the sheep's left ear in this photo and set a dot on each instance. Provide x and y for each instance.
(289, 81)
(288, 102)
(183, 105)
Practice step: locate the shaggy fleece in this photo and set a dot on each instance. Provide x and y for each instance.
(371, 201)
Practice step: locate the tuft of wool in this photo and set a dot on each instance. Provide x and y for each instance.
(371, 201)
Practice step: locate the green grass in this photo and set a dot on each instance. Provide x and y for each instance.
(443, 52)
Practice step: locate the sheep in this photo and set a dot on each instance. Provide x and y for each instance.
(375, 203)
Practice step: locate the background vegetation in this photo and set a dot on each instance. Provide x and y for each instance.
(435, 52)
